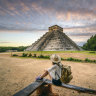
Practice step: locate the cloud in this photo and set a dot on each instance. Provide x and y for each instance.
(68, 13)
(77, 17)
(76, 6)
(24, 7)
(20, 29)
(82, 34)
(2, 13)
(5, 42)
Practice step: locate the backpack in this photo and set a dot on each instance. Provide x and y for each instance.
(66, 74)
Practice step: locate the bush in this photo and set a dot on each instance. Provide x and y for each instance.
(47, 57)
(42, 56)
(62, 58)
(14, 55)
(70, 59)
(73, 59)
(34, 55)
(77, 60)
(24, 55)
(94, 61)
(87, 60)
(30, 55)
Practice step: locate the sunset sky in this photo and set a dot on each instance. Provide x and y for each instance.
(24, 21)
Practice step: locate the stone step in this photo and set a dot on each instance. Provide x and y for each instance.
(39, 41)
(54, 41)
(43, 38)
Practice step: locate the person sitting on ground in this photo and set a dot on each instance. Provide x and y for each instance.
(54, 72)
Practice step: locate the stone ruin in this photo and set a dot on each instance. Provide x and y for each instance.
(54, 40)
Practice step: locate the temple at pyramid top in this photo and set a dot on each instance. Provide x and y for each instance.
(54, 40)
(55, 28)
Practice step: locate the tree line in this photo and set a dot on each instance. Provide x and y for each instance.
(20, 48)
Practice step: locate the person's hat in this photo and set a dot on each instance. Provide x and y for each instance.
(55, 58)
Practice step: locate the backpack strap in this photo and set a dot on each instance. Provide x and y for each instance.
(55, 71)
(60, 66)
(57, 74)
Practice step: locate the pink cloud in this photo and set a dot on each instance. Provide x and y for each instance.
(24, 7)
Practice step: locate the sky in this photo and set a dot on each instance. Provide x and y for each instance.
(22, 22)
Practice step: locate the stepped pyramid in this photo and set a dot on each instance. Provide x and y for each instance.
(54, 40)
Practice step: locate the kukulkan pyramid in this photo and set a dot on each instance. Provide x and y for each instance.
(54, 40)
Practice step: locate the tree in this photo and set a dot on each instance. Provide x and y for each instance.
(90, 44)
(20, 48)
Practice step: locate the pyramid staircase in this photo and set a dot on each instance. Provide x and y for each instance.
(40, 43)
(60, 41)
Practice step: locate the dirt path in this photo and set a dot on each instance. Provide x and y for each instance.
(16, 73)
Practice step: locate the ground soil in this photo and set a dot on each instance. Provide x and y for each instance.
(17, 73)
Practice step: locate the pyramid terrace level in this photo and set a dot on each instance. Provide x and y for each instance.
(55, 28)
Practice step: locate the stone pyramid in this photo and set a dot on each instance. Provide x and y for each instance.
(54, 40)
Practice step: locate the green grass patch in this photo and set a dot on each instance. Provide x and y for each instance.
(53, 52)
(14, 55)
(74, 59)
(56, 52)
(92, 52)
(30, 55)
(45, 57)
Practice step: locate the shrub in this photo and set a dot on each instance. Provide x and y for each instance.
(42, 56)
(77, 60)
(70, 59)
(87, 60)
(94, 61)
(34, 55)
(47, 57)
(24, 55)
(73, 59)
(30, 55)
(14, 55)
(62, 58)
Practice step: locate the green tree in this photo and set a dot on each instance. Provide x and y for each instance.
(20, 48)
(90, 44)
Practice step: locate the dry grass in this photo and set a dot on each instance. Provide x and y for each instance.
(17, 73)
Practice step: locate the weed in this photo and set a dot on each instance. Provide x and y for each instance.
(30, 55)
(24, 55)
(14, 55)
